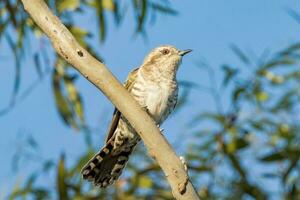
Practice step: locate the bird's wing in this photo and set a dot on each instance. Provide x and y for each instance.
(172, 102)
(117, 114)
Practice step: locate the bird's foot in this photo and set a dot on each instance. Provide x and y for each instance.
(183, 161)
(145, 109)
(160, 129)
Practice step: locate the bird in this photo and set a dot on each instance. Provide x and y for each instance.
(155, 87)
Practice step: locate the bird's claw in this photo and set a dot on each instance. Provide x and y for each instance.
(160, 129)
(145, 109)
(183, 161)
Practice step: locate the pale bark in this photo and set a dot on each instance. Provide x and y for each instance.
(95, 71)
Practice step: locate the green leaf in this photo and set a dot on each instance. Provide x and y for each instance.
(80, 35)
(17, 80)
(275, 79)
(74, 99)
(240, 54)
(187, 84)
(41, 193)
(21, 34)
(142, 15)
(286, 101)
(145, 182)
(290, 50)
(237, 93)
(209, 116)
(47, 165)
(241, 143)
(236, 144)
(117, 15)
(101, 19)
(62, 103)
(67, 5)
(61, 180)
(67, 97)
(12, 10)
(30, 180)
(278, 62)
(32, 142)
(108, 5)
(229, 74)
(273, 157)
(37, 64)
(261, 96)
(164, 9)
(294, 14)
(3, 26)
(293, 76)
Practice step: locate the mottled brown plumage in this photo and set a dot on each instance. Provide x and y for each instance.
(154, 87)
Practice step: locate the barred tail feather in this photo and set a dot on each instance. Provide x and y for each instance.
(106, 166)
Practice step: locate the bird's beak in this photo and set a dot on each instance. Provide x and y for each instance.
(183, 52)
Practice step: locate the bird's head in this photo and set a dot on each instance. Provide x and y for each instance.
(165, 57)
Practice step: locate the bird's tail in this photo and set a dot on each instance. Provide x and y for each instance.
(106, 166)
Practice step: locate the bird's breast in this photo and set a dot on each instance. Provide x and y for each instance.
(156, 98)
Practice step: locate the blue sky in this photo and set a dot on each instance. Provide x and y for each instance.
(206, 26)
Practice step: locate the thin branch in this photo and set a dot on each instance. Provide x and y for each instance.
(95, 71)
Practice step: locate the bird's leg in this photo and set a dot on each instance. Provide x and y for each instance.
(145, 109)
(157, 124)
(183, 161)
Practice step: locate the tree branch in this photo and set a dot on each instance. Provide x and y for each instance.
(93, 70)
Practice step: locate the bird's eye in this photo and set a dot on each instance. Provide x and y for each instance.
(165, 51)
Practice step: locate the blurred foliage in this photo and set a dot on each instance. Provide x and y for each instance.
(248, 148)
(69, 103)
(255, 129)
(13, 19)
